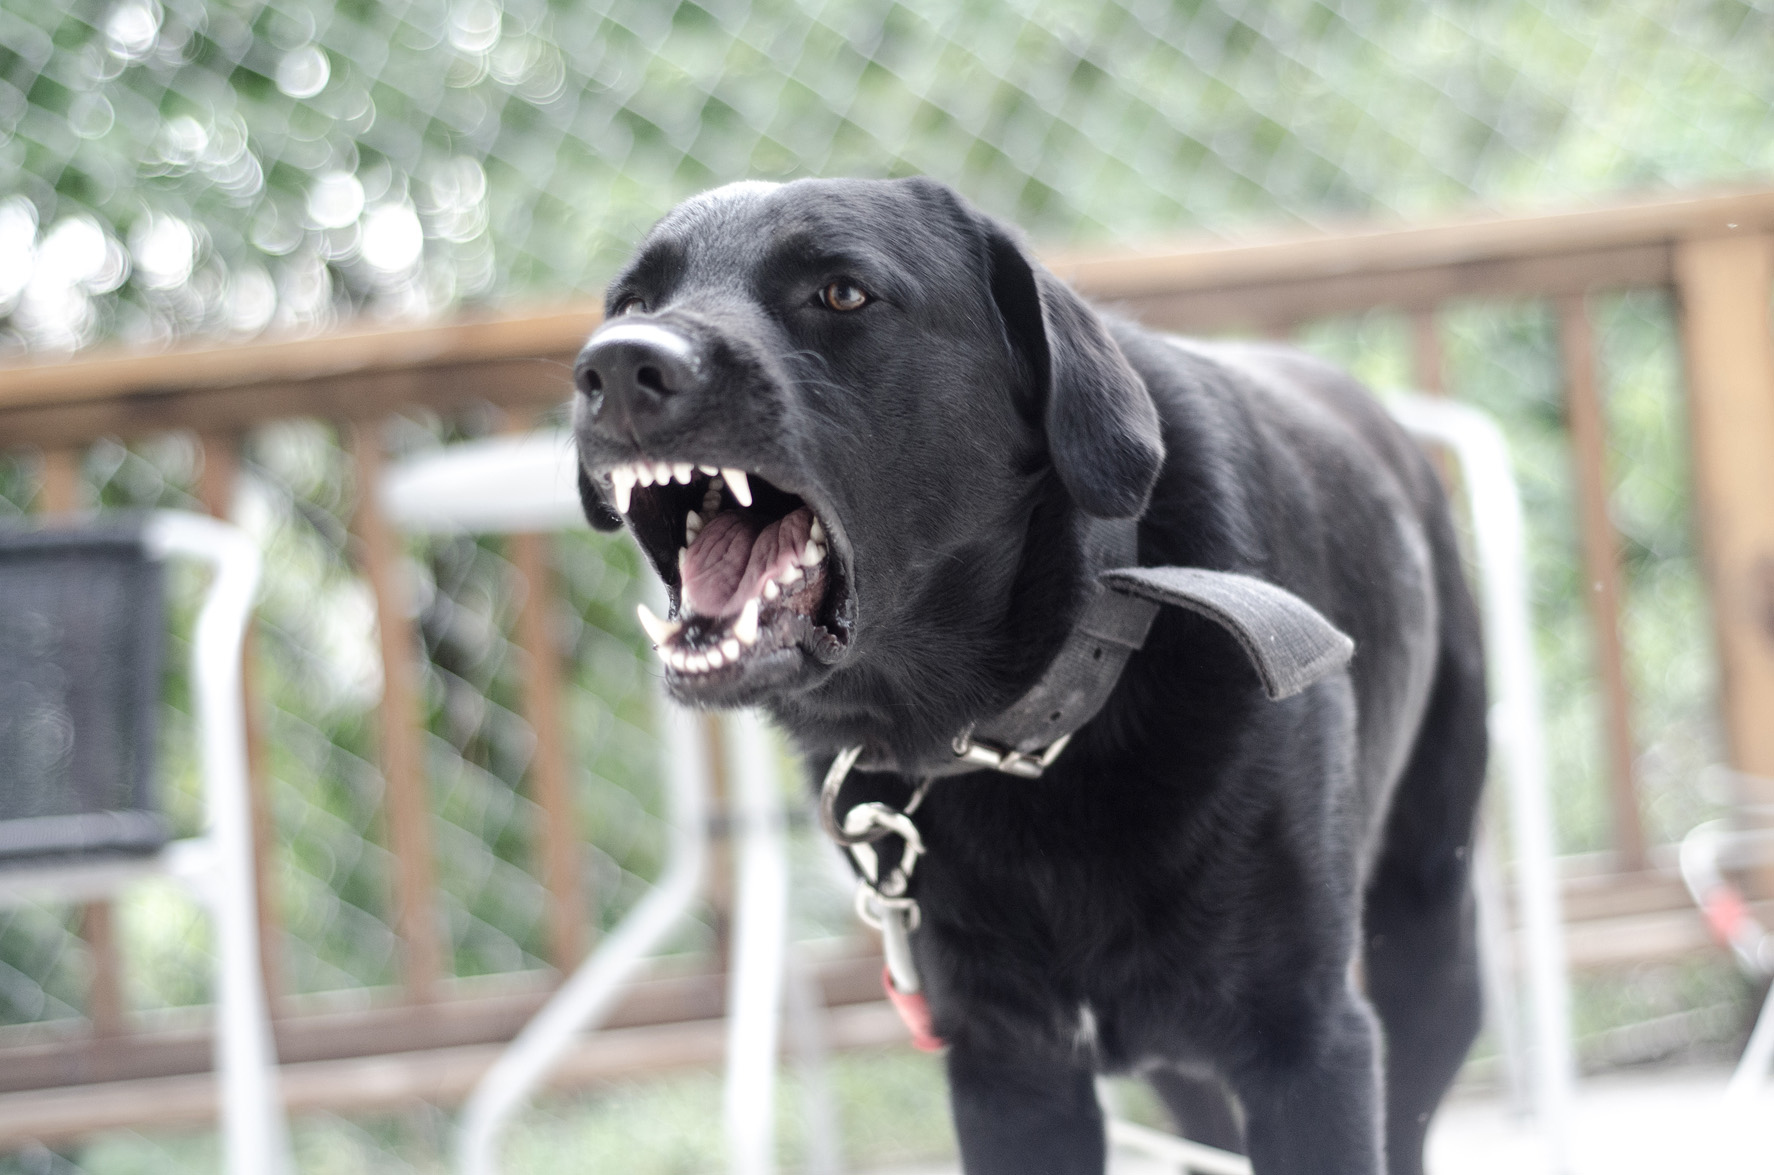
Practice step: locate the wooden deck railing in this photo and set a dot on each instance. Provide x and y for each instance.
(1714, 251)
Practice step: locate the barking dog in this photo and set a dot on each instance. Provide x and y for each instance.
(881, 459)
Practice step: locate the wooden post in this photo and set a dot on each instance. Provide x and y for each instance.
(406, 808)
(550, 781)
(720, 849)
(1426, 361)
(60, 493)
(1601, 573)
(1723, 283)
(221, 471)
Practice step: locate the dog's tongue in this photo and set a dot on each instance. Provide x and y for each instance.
(733, 556)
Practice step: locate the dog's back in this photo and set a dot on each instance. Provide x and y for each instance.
(1343, 508)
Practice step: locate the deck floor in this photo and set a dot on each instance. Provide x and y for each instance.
(1655, 1121)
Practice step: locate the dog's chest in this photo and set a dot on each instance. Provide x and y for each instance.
(1101, 945)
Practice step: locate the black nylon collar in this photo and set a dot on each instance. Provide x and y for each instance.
(1289, 643)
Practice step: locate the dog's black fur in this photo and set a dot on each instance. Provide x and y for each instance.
(1263, 907)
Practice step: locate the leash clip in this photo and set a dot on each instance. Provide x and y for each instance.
(895, 918)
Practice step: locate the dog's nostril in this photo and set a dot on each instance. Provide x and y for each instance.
(590, 382)
(649, 377)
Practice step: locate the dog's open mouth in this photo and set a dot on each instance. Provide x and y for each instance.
(751, 567)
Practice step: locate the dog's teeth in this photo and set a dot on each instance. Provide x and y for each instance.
(683, 557)
(677, 658)
(622, 487)
(812, 555)
(792, 575)
(771, 591)
(708, 469)
(730, 649)
(643, 473)
(680, 473)
(692, 527)
(662, 473)
(716, 659)
(696, 663)
(816, 532)
(745, 629)
(736, 481)
(659, 631)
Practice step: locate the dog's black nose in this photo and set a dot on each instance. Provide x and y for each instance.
(637, 368)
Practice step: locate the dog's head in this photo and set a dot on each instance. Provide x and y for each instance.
(841, 418)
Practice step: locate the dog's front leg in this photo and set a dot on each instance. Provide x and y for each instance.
(1312, 1103)
(1024, 1115)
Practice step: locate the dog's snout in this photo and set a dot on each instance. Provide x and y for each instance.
(639, 366)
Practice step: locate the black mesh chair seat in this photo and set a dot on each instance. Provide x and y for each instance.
(81, 636)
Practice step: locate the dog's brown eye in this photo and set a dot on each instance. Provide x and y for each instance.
(843, 295)
(628, 305)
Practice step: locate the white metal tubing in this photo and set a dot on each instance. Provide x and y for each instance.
(500, 484)
(588, 995)
(1752, 1068)
(1517, 730)
(1496, 968)
(255, 1135)
(804, 1009)
(754, 999)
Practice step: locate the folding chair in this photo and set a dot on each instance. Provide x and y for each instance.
(81, 632)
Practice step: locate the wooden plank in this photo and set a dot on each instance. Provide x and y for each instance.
(545, 380)
(483, 1014)
(1724, 284)
(1213, 265)
(1601, 567)
(216, 485)
(113, 372)
(1639, 938)
(550, 780)
(1290, 298)
(1372, 249)
(406, 808)
(440, 1076)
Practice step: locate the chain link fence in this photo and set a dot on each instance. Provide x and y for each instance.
(170, 168)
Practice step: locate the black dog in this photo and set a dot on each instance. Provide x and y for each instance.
(888, 440)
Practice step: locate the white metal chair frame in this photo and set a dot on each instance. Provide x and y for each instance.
(218, 866)
(513, 484)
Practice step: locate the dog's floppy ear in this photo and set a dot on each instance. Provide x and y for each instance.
(1102, 428)
(1289, 642)
(597, 511)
